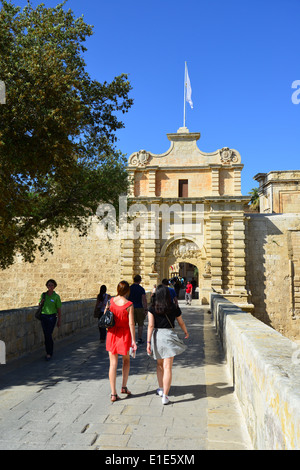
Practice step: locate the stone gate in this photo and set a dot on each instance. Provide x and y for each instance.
(189, 208)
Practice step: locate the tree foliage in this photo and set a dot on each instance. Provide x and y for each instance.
(58, 158)
(254, 201)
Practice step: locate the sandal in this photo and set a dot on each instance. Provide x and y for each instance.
(125, 390)
(114, 398)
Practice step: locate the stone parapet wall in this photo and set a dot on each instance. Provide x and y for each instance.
(264, 367)
(22, 333)
(273, 270)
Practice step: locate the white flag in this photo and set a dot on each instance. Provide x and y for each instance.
(188, 89)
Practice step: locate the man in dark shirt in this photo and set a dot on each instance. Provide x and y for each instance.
(138, 298)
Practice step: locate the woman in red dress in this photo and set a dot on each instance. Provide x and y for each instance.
(120, 338)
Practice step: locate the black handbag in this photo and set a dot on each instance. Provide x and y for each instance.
(38, 313)
(107, 320)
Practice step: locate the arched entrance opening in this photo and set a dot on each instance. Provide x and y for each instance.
(184, 259)
(189, 272)
(179, 274)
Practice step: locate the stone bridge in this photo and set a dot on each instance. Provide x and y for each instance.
(236, 387)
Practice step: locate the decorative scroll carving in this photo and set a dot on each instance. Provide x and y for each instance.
(184, 249)
(228, 156)
(140, 158)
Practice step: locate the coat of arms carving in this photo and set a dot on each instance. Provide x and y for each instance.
(140, 158)
(228, 156)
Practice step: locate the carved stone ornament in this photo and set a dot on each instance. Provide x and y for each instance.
(184, 249)
(228, 156)
(140, 159)
(153, 267)
(207, 267)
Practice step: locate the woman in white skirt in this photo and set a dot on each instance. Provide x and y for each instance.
(162, 340)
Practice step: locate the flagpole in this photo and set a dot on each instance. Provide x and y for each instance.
(184, 96)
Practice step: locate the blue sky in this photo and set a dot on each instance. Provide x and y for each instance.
(242, 56)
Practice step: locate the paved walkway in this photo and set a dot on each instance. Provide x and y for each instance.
(65, 403)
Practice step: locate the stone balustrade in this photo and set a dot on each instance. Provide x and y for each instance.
(265, 370)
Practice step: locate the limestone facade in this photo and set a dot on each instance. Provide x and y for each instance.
(273, 270)
(279, 191)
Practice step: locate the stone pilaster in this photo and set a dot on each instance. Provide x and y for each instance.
(215, 177)
(216, 252)
(239, 255)
(130, 173)
(237, 188)
(151, 265)
(152, 182)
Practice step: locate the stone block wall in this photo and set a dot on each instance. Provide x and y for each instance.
(273, 270)
(79, 265)
(264, 367)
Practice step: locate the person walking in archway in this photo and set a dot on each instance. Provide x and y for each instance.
(188, 293)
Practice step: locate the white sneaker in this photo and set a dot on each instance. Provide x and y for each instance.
(165, 399)
(159, 392)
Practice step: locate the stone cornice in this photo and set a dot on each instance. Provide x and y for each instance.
(190, 200)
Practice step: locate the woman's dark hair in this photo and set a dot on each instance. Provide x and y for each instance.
(123, 288)
(162, 300)
(52, 281)
(102, 293)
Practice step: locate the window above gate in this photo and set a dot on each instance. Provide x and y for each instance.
(183, 189)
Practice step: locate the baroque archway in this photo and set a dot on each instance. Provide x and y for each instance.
(186, 250)
(181, 250)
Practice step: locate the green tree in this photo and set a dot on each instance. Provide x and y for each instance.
(254, 201)
(58, 156)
